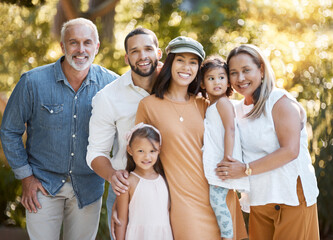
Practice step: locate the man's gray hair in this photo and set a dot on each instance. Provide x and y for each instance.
(79, 21)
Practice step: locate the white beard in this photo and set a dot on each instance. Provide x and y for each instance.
(79, 67)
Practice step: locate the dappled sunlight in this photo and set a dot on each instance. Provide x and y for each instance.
(295, 35)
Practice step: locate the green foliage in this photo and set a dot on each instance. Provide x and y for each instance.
(168, 21)
(12, 212)
(296, 36)
(25, 3)
(26, 39)
(324, 168)
(103, 229)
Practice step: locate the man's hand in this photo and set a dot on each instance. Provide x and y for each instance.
(30, 186)
(119, 181)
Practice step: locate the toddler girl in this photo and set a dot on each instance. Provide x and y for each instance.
(143, 210)
(221, 139)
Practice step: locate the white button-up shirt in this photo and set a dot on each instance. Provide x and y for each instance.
(113, 114)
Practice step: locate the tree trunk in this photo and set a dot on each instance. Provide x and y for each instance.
(107, 19)
(69, 9)
(63, 16)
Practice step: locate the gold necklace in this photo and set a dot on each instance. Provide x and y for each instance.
(181, 119)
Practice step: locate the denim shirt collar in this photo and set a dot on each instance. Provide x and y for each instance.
(60, 76)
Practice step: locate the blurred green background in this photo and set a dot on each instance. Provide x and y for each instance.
(296, 36)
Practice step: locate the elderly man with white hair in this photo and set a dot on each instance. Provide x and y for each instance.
(53, 104)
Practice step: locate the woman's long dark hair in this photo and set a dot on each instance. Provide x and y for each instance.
(164, 78)
(152, 136)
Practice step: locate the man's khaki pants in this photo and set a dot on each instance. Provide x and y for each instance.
(63, 209)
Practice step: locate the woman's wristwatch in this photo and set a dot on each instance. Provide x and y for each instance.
(248, 170)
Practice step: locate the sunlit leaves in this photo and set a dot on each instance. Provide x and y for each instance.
(26, 41)
(296, 36)
(25, 3)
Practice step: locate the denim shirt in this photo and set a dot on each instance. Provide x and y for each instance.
(56, 119)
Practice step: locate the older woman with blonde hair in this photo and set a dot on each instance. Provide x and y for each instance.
(274, 141)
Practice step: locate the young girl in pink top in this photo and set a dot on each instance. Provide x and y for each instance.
(143, 210)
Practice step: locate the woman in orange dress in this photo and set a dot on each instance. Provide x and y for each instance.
(178, 113)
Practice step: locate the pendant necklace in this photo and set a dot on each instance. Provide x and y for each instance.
(181, 119)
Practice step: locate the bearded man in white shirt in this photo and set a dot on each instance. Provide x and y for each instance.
(114, 110)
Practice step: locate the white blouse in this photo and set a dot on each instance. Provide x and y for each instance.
(258, 138)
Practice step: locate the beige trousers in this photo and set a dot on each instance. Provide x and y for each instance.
(238, 223)
(63, 209)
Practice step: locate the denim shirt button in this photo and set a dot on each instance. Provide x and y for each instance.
(70, 171)
(72, 154)
(63, 181)
(51, 111)
(73, 135)
(74, 116)
(75, 97)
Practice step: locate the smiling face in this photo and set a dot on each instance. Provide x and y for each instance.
(142, 54)
(144, 152)
(79, 46)
(184, 69)
(245, 75)
(216, 83)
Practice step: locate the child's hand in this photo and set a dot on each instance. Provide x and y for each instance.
(119, 181)
(225, 159)
(114, 220)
